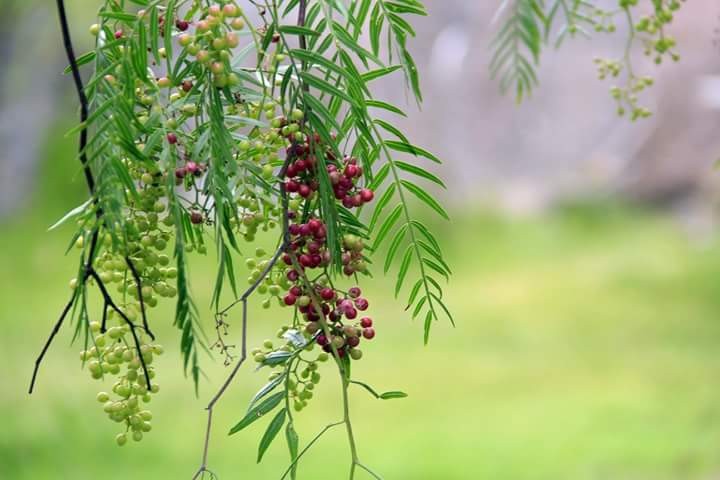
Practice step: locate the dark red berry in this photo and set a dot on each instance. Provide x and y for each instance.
(354, 292)
(172, 138)
(297, 291)
(327, 293)
(289, 299)
(196, 218)
(182, 25)
(291, 186)
(350, 313)
(366, 322)
(305, 260)
(180, 173)
(361, 304)
(368, 333)
(314, 224)
(353, 341)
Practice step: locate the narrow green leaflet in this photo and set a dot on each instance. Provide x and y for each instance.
(271, 432)
(258, 411)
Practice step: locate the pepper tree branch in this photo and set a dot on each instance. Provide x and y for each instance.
(90, 181)
(243, 299)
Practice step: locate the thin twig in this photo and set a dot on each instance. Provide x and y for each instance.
(310, 444)
(243, 299)
(44, 350)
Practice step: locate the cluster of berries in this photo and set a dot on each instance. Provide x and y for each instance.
(214, 39)
(110, 352)
(302, 177)
(300, 381)
(340, 309)
(309, 249)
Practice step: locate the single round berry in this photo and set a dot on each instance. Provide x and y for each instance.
(368, 333)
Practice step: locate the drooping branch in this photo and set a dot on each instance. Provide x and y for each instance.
(87, 270)
(243, 299)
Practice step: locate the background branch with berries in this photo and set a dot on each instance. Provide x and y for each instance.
(203, 125)
(527, 26)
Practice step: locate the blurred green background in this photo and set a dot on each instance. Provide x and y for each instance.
(587, 344)
(586, 348)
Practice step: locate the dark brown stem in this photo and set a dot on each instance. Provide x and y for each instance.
(138, 283)
(44, 350)
(111, 304)
(89, 179)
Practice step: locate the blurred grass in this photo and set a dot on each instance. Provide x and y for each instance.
(586, 348)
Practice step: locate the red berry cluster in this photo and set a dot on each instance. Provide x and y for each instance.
(302, 178)
(344, 184)
(308, 246)
(341, 309)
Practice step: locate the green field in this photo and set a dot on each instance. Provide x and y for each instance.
(587, 347)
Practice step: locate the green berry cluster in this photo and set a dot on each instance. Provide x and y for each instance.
(657, 42)
(300, 376)
(651, 30)
(215, 36)
(274, 283)
(113, 353)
